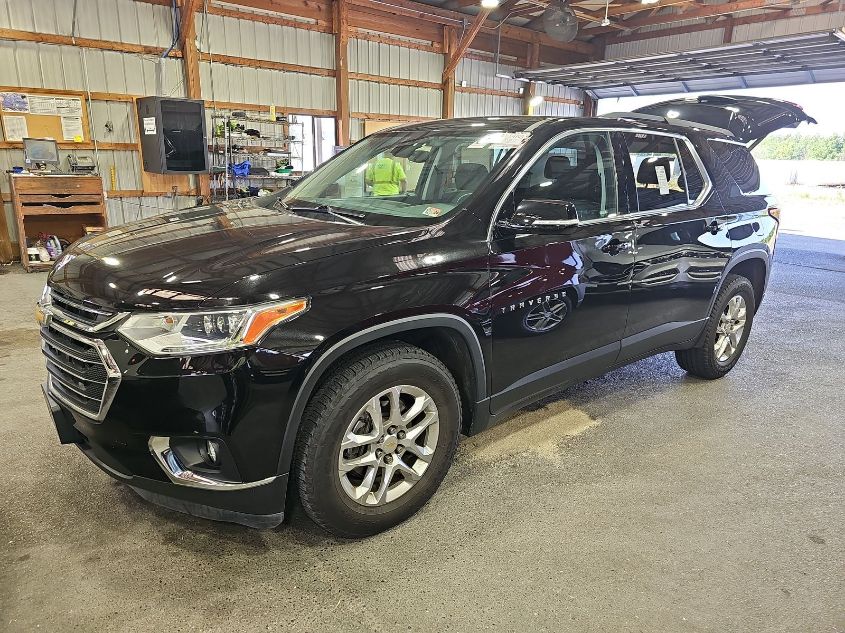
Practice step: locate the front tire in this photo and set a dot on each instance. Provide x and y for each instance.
(725, 334)
(376, 440)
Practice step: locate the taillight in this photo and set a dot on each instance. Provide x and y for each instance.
(775, 213)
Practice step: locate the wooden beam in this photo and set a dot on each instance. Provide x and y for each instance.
(728, 35)
(395, 81)
(231, 60)
(450, 43)
(466, 40)
(376, 116)
(266, 18)
(85, 42)
(187, 23)
(708, 11)
(531, 88)
(340, 27)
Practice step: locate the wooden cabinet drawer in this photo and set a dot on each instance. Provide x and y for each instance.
(58, 184)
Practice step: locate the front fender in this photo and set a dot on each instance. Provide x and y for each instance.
(318, 367)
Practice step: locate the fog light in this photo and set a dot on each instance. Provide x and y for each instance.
(212, 453)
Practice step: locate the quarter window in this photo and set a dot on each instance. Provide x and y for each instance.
(666, 172)
(579, 169)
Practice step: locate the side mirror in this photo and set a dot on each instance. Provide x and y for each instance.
(541, 216)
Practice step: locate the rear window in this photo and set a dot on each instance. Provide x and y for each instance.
(739, 163)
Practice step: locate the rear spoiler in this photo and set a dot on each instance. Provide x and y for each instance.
(653, 118)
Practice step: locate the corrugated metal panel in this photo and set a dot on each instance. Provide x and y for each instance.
(806, 24)
(480, 74)
(257, 40)
(371, 97)
(713, 37)
(356, 130)
(114, 20)
(36, 65)
(376, 58)
(123, 210)
(665, 44)
(267, 87)
(470, 104)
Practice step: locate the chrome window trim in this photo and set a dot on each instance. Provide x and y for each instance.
(112, 372)
(178, 474)
(706, 190)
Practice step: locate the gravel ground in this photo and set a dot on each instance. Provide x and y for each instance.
(641, 501)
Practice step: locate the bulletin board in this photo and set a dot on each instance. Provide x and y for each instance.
(63, 117)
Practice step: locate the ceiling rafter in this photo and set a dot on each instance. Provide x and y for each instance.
(710, 10)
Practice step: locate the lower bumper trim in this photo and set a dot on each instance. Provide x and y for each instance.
(258, 521)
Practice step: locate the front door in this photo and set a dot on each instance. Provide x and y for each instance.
(560, 295)
(682, 240)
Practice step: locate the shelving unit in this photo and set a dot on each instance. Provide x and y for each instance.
(275, 144)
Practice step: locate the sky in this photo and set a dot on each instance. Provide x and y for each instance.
(823, 102)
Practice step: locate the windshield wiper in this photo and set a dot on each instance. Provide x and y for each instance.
(346, 216)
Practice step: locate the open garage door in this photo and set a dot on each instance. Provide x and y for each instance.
(782, 61)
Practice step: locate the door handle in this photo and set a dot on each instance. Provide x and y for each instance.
(714, 227)
(616, 246)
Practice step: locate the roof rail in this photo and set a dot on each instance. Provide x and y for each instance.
(662, 119)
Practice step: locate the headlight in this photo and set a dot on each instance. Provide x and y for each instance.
(209, 331)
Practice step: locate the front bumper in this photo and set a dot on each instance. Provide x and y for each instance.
(257, 504)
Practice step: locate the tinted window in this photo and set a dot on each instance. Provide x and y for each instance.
(658, 170)
(578, 169)
(739, 163)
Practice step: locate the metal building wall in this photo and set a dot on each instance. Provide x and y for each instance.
(35, 65)
(482, 74)
(272, 42)
(552, 108)
(386, 60)
(714, 37)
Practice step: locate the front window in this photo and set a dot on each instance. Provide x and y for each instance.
(406, 177)
(578, 170)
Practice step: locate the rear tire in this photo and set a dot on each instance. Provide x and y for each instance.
(395, 410)
(725, 334)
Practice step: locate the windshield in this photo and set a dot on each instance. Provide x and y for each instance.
(406, 178)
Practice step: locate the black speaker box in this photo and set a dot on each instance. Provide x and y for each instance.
(173, 135)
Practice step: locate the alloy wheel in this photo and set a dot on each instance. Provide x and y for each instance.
(545, 316)
(388, 445)
(730, 328)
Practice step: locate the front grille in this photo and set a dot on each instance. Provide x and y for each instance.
(85, 312)
(79, 376)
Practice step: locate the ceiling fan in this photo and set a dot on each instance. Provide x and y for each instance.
(560, 22)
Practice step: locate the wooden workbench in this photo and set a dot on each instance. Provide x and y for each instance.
(55, 205)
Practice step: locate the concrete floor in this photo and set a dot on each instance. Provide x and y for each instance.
(641, 501)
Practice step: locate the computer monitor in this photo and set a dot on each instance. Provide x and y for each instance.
(40, 150)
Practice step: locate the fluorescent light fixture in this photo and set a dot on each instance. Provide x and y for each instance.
(535, 101)
(489, 4)
(650, 1)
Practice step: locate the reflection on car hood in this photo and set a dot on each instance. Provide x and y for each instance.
(180, 260)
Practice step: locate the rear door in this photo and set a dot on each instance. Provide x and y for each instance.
(560, 296)
(682, 243)
(749, 119)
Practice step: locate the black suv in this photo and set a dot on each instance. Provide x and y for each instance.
(339, 336)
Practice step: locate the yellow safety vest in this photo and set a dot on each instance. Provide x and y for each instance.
(385, 174)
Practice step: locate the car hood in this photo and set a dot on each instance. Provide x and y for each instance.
(180, 260)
